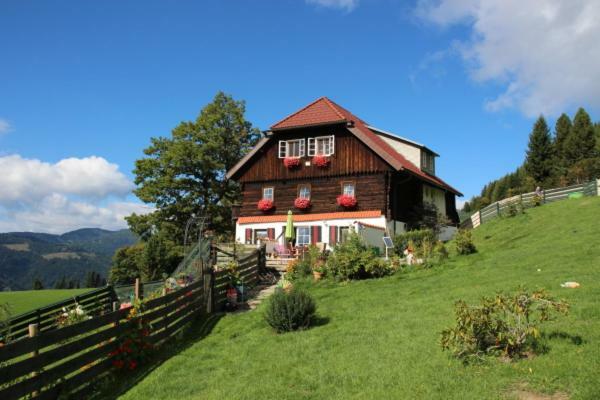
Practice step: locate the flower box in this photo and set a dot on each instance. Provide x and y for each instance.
(291, 162)
(346, 201)
(320, 161)
(265, 204)
(302, 203)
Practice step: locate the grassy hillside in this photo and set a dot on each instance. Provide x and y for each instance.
(25, 256)
(378, 339)
(27, 300)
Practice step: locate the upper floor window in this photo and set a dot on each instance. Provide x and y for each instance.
(269, 193)
(291, 148)
(428, 162)
(304, 192)
(348, 188)
(321, 146)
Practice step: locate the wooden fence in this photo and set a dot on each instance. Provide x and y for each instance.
(45, 362)
(526, 200)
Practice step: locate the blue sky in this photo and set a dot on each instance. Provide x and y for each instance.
(84, 85)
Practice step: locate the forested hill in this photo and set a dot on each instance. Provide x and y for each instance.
(27, 256)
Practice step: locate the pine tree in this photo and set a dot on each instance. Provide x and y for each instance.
(37, 284)
(581, 143)
(539, 162)
(562, 130)
(89, 279)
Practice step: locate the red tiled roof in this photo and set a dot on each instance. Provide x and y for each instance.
(320, 111)
(310, 217)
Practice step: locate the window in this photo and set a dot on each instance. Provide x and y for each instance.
(260, 235)
(427, 162)
(322, 146)
(344, 233)
(268, 193)
(291, 148)
(303, 236)
(348, 188)
(304, 191)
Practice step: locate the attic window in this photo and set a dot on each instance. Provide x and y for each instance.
(291, 148)
(428, 162)
(321, 146)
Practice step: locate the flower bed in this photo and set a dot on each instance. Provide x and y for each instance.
(346, 201)
(265, 205)
(291, 162)
(302, 203)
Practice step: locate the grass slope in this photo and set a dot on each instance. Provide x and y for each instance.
(379, 338)
(27, 300)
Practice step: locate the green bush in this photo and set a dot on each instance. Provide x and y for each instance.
(502, 325)
(415, 237)
(289, 311)
(352, 259)
(464, 242)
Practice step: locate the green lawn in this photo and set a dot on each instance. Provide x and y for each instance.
(27, 300)
(378, 339)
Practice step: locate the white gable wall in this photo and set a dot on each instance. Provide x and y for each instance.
(410, 152)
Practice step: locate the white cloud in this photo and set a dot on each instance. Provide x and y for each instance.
(545, 53)
(5, 126)
(29, 180)
(347, 5)
(70, 194)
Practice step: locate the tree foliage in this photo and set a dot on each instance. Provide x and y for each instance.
(539, 162)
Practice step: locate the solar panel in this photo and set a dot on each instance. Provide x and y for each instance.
(387, 241)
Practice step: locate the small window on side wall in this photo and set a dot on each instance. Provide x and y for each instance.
(348, 188)
(304, 191)
(268, 193)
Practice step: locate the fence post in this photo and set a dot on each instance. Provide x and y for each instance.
(544, 196)
(137, 289)
(33, 332)
(598, 187)
(497, 208)
(480, 219)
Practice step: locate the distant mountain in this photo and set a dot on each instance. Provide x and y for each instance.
(25, 256)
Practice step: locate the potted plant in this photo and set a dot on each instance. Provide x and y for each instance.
(320, 161)
(302, 203)
(181, 279)
(291, 162)
(318, 270)
(265, 204)
(346, 201)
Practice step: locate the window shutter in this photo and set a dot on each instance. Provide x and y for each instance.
(282, 148)
(248, 235)
(311, 147)
(332, 145)
(271, 233)
(315, 236)
(301, 150)
(332, 235)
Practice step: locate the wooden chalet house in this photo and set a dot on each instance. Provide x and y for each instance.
(334, 171)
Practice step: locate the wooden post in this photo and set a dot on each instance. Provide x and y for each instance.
(137, 289)
(598, 186)
(544, 196)
(480, 219)
(497, 209)
(33, 332)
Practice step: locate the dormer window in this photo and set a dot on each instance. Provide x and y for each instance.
(321, 146)
(428, 162)
(291, 148)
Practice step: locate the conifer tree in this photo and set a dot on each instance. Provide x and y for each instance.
(562, 130)
(539, 162)
(581, 143)
(37, 284)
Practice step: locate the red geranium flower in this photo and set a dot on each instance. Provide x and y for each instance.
(346, 201)
(291, 162)
(265, 204)
(302, 203)
(320, 161)
(132, 365)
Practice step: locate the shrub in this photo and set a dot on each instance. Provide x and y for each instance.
(417, 237)
(464, 242)
(504, 324)
(352, 259)
(289, 310)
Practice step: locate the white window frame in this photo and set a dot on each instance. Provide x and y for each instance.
(304, 186)
(267, 188)
(348, 183)
(284, 148)
(313, 145)
(303, 235)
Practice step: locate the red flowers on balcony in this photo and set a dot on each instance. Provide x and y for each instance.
(320, 161)
(302, 203)
(265, 204)
(346, 201)
(291, 162)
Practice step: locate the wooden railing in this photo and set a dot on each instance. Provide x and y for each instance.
(527, 200)
(67, 360)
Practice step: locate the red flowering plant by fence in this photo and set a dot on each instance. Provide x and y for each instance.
(302, 203)
(346, 201)
(134, 345)
(291, 162)
(265, 204)
(320, 161)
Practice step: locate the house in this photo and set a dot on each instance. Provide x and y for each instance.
(334, 171)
